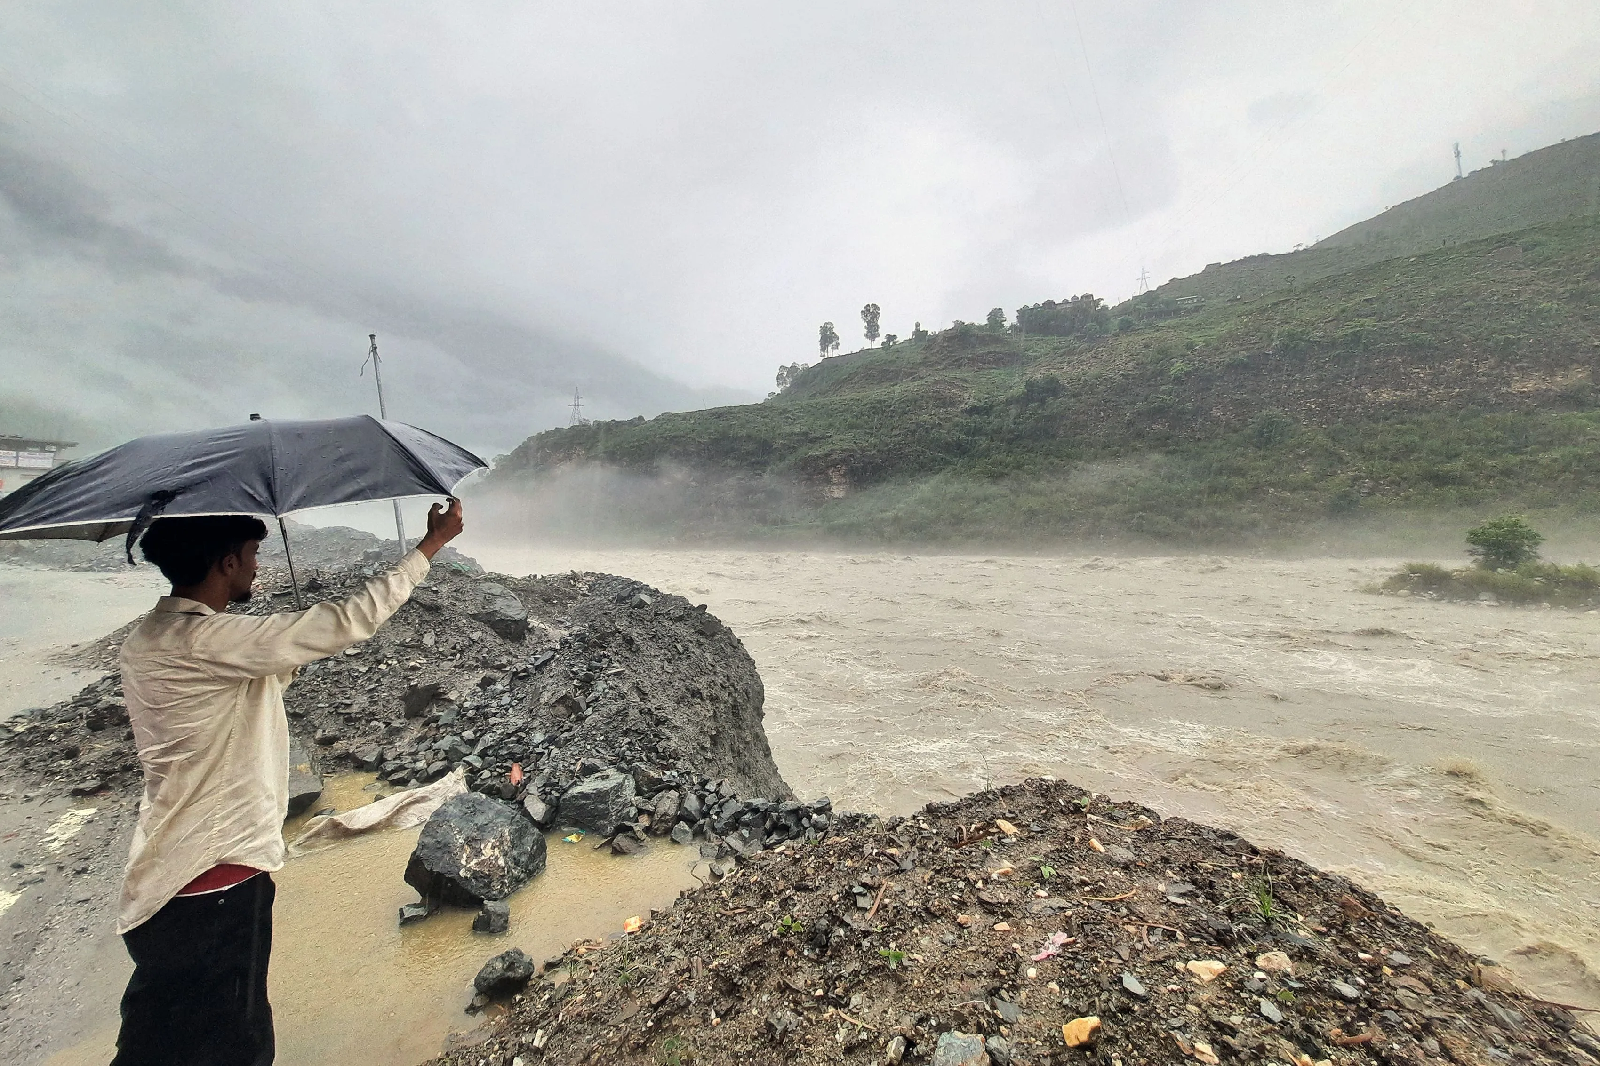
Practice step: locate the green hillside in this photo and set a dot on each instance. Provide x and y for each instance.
(1542, 186)
(1459, 376)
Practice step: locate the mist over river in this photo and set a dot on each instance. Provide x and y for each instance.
(1447, 755)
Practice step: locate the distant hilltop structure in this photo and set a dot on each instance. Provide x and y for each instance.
(24, 458)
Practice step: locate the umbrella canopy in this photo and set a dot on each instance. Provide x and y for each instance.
(267, 467)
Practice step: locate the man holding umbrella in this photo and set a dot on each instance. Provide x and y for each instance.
(205, 698)
(205, 688)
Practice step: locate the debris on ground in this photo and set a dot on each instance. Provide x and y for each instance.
(1200, 947)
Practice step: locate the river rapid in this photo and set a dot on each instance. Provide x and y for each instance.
(1446, 755)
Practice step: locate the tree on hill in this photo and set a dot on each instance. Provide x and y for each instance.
(1504, 543)
(1080, 315)
(788, 374)
(889, 340)
(996, 320)
(869, 316)
(827, 339)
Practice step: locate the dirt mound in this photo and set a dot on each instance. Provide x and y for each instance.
(561, 677)
(1011, 914)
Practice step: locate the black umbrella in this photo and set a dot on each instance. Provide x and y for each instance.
(265, 467)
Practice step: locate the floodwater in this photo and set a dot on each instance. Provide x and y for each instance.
(348, 984)
(51, 611)
(1446, 755)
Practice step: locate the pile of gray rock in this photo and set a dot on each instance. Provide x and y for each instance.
(629, 808)
(529, 685)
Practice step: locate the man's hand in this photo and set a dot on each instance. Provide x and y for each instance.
(444, 525)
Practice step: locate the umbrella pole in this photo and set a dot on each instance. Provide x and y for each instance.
(299, 604)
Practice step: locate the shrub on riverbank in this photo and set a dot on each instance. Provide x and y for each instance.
(1532, 582)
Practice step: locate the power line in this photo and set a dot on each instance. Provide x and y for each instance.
(1105, 131)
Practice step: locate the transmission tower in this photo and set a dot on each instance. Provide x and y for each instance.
(577, 418)
(1144, 281)
(1458, 160)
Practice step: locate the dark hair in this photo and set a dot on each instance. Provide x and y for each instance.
(185, 549)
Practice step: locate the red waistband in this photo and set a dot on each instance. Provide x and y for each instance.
(218, 878)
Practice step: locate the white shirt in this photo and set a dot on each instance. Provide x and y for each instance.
(205, 698)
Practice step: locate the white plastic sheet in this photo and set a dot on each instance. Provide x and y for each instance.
(403, 810)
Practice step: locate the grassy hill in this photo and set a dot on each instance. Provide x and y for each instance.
(1547, 185)
(1461, 375)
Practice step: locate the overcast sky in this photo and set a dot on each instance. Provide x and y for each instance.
(205, 208)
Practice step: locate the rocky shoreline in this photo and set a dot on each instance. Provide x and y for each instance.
(1027, 925)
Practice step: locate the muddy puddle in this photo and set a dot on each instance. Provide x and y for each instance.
(349, 985)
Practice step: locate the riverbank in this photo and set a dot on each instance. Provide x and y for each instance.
(1029, 924)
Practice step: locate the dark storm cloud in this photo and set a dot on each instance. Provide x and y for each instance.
(59, 212)
(212, 206)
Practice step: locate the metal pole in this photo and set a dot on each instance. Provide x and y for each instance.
(299, 604)
(383, 412)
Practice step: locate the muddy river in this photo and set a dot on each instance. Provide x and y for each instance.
(1447, 755)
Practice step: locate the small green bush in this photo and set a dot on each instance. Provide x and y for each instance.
(1504, 543)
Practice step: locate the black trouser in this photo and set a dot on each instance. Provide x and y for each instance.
(198, 995)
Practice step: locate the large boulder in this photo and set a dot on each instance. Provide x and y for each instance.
(502, 611)
(599, 803)
(473, 849)
(305, 783)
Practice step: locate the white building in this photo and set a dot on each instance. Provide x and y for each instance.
(24, 458)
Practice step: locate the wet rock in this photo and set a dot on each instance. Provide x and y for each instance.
(665, 814)
(495, 917)
(598, 804)
(1008, 1011)
(414, 912)
(420, 697)
(692, 809)
(646, 781)
(960, 1049)
(626, 844)
(1120, 855)
(473, 849)
(1347, 992)
(305, 783)
(502, 611)
(542, 813)
(682, 834)
(504, 974)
